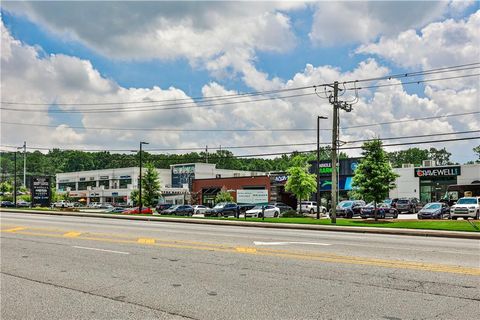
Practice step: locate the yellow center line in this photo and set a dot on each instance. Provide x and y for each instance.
(323, 257)
(72, 234)
(14, 229)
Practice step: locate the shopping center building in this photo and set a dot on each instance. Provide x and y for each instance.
(429, 182)
(115, 185)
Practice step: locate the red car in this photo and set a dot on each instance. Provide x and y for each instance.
(145, 210)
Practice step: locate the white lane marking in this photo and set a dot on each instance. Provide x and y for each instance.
(104, 250)
(260, 243)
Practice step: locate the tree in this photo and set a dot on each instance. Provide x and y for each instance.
(413, 155)
(477, 151)
(441, 156)
(301, 183)
(223, 196)
(150, 185)
(374, 176)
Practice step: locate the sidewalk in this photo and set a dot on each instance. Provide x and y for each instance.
(240, 223)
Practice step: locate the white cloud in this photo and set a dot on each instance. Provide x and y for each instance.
(220, 36)
(345, 22)
(446, 43)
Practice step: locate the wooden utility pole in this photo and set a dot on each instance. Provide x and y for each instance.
(333, 215)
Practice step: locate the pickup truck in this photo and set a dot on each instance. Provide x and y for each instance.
(63, 204)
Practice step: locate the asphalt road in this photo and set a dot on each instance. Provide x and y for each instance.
(59, 267)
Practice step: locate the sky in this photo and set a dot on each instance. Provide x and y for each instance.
(107, 75)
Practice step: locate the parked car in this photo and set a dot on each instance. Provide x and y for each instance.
(243, 208)
(145, 210)
(407, 205)
(7, 204)
(310, 207)
(282, 206)
(23, 204)
(63, 204)
(116, 210)
(434, 210)
(350, 208)
(163, 206)
(268, 210)
(200, 209)
(223, 209)
(384, 210)
(466, 207)
(391, 202)
(179, 210)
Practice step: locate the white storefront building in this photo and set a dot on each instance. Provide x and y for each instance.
(115, 185)
(429, 182)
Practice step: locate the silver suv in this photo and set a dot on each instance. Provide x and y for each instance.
(311, 207)
(466, 207)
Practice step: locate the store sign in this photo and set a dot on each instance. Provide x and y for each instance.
(282, 178)
(437, 172)
(345, 183)
(40, 188)
(326, 168)
(182, 175)
(103, 177)
(252, 196)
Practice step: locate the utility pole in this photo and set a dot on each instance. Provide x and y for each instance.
(25, 164)
(334, 152)
(319, 199)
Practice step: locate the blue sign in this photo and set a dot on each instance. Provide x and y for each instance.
(345, 183)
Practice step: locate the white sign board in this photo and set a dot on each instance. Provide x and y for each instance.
(252, 196)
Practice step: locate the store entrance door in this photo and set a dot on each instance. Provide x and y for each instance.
(434, 189)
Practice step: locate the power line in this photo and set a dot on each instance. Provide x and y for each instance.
(240, 130)
(462, 67)
(256, 146)
(189, 105)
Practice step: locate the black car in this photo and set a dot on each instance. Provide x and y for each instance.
(223, 209)
(407, 205)
(179, 210)
(434, 210)
(163, 206)
(383, 210)
(350, 208)
(282, 206)
(7, 204)
(242, 208)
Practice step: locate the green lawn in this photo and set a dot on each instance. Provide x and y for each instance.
(450, 225)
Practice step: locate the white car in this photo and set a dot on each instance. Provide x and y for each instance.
(63, 204)
(311, 207)
(269, 211)
(466, 207)
(199, 209)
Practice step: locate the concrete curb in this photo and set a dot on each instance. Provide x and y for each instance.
(391, 231)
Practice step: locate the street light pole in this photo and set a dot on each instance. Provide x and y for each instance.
(319, 200)
(140, 180)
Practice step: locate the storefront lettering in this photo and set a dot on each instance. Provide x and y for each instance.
(432, 172)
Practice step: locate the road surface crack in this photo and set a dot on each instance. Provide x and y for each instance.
(117, 299)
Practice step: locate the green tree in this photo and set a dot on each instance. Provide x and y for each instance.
(412, 155)
(223, 196)
(150, 185)
(441, 156)
(301, 183)
(374, 176)
(5, 186)
(477, 151)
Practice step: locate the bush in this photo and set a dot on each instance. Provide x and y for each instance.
(291, 214)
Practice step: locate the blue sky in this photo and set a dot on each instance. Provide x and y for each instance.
(122, 51)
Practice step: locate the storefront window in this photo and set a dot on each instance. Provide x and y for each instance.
(65, 185)
(104, 183)
(434, 189)
(84, 184)
(123, 183)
